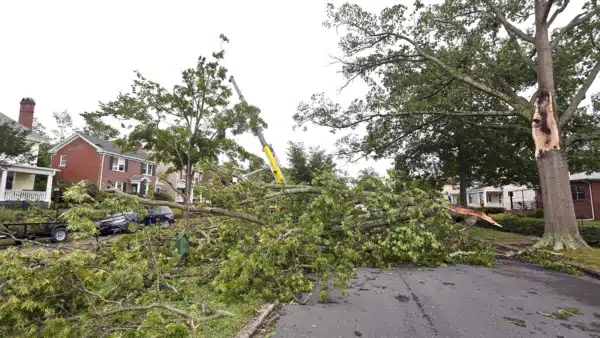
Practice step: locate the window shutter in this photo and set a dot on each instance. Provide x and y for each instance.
(110, 166)
(142, 168)
(126, 164)
(124, 187)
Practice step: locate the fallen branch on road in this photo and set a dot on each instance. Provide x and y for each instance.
(193, 209)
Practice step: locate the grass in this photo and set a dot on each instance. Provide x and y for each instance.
(501, 217)
(501, 237)
(589, 258)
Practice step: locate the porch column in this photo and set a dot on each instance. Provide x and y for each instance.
(192, 194)
(49, 189)
(485, 198)
(3, 177)
(138, 187)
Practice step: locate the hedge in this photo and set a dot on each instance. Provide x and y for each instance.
(535, 227)
(492, 210)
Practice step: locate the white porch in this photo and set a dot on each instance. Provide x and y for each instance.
(481, 197)
(485, 197)
(17, 184)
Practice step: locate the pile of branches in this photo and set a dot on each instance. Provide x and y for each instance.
(254, 243)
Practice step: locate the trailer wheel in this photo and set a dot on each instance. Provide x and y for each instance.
(59, 235)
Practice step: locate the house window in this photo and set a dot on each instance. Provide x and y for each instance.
(63, 161)
(120, 186)
(470, 198)
(489, 197)
(197, 177)
(578, 192)
(118, 164)
(146, 169)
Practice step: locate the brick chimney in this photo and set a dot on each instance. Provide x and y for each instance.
(26, 112)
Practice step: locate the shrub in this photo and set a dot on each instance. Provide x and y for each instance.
(538, 213)
(523, 225)
(535, 227)
(591, 236)
(162, 196)
(492, 210)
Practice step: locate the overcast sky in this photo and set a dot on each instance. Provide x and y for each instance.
(69, 55)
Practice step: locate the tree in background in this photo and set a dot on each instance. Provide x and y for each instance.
(389, 51)
(186, 126)
(305, 164)
(94, 126)
(64, 126)
(13, 144)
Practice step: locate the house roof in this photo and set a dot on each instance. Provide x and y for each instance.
(102, 146)
(32, 135)
(585, 176)
(110, 147)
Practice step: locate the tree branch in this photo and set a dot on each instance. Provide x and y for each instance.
(547, 10)
(464, 78)
(575, 138)
(217, 314)
(528, 62)
(172, 186)
(566, 115)
(578, 20)
(194, 209)
(13, 237)
(558, 11)
(509, 26)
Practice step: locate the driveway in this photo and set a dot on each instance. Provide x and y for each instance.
(453, 301)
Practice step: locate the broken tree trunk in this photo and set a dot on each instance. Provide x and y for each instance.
(560, 230)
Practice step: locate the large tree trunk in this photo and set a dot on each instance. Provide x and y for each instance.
(560, 231)
(462, 176)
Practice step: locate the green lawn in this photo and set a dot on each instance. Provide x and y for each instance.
(585, 257)
(500, 217)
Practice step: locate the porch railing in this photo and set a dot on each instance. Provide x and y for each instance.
(23, 195)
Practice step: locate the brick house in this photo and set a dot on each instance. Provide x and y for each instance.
(84, 157)
(585, 191)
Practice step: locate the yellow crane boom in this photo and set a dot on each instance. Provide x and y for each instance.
(274, 163)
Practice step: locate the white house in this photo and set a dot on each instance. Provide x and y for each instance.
(18, 177)
(522, 196)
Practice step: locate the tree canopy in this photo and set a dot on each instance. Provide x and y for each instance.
(305, 164)
(187, 126)
(14, 147)
(500, 51)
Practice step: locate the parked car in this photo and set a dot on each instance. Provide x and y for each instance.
(118, 223)
(159, 215)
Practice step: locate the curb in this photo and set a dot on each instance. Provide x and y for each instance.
(253, 324)
(590, 272)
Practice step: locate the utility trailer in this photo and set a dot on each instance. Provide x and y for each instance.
(57, 231)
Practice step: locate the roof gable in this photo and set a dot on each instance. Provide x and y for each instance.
(102, 146)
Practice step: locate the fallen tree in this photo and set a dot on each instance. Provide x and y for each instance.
(238, 255)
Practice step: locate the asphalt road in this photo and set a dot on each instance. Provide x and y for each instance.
(454, 301)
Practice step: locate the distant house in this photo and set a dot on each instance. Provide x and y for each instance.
(522, 196)
(84, 157)
(177, 181)
(18, 177)
(585, 191)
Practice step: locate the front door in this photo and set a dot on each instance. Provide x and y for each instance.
(143, 185)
